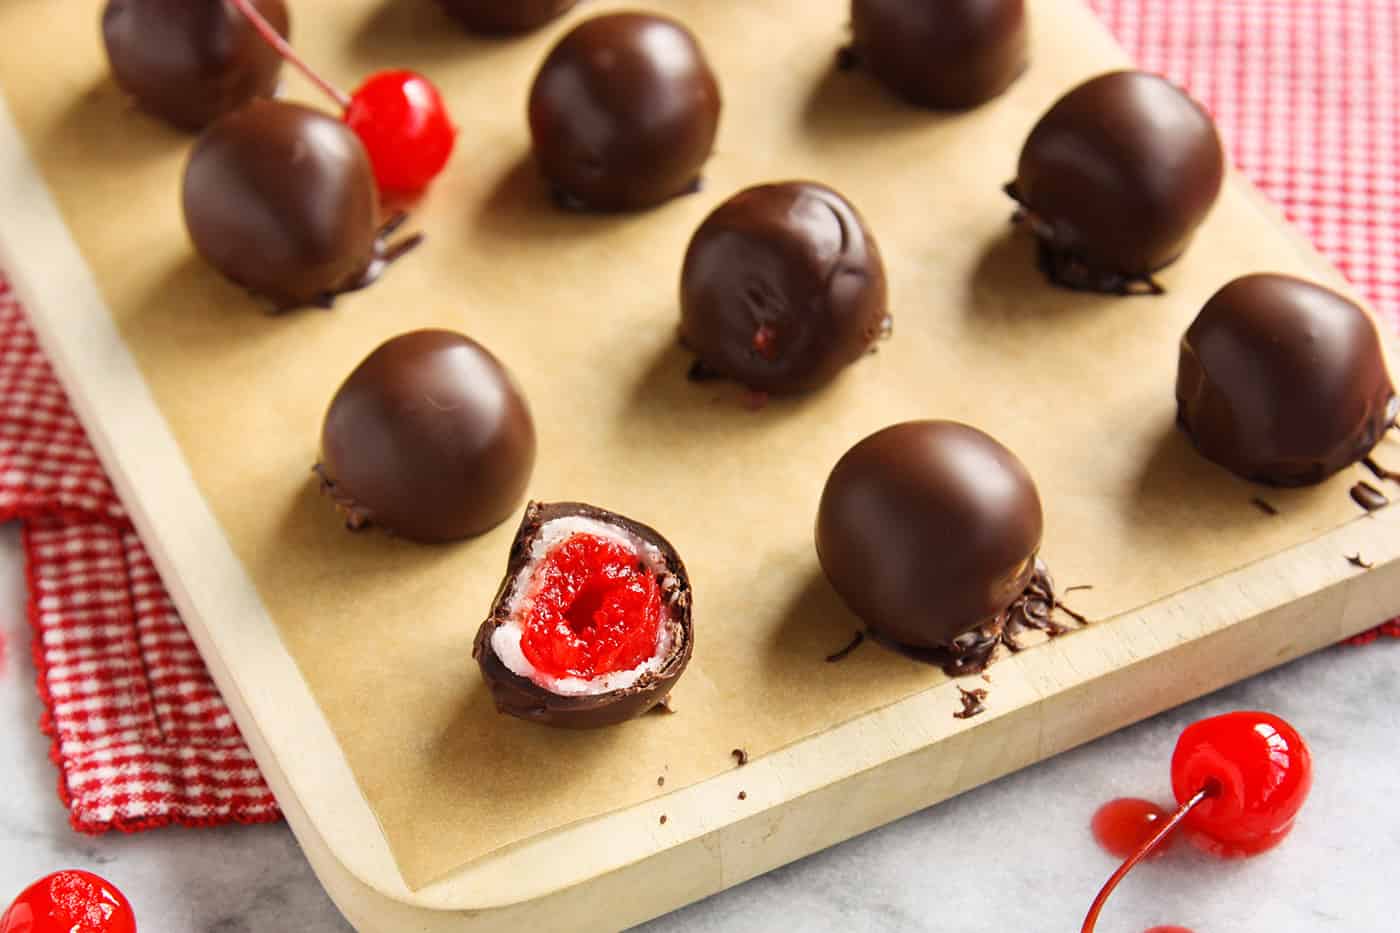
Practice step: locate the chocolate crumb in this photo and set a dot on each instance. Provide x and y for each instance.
(1380, 471)
(1077, 587)
(741, 757)
(663, 819)
(971, 703)
(841, 655)
(1263, 506)
(661, 781)
(1076, 616)
(1356, 560)
(1368, 497)
(743, 795)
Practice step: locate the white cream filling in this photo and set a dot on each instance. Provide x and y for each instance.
(505, 640)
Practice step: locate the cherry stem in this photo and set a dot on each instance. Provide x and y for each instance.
(1143, 852)
(274, 38)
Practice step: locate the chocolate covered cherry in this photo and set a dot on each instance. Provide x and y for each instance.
(1115, 178)
(506, 16)
(191, 61)
(428, 438)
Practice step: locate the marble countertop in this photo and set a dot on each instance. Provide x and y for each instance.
(1013, 855)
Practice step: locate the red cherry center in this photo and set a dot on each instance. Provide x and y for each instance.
(1259, 771)
(71, 901)
(1122, 826)
(594, 609)
(401, 119)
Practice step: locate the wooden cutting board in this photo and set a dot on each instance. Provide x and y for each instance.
(204, 412)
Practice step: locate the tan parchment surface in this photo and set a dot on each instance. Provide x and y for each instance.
(583, 309)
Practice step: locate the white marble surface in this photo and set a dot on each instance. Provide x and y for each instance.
(1013, 856)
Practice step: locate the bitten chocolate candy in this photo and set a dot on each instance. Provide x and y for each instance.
(506, 16)
(624, 112)
(782, 288)
(953, 54)
(429, 438)
(1115, 179)
(281, 199)
(586, 588)
(191, 61)
(1282, 381)
(929, 530)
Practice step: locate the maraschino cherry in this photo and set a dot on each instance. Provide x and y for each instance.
(1239, 780)
(70, 901)
(398, 115)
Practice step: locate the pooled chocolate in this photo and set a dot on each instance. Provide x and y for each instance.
(623, 113)
(428, 438)
(782, 288)
(495, 17)
(281, 199)
(1282, 381)
(572, 702)
(189, 62)
(929, 531)
(1115, 178)
(950, 55)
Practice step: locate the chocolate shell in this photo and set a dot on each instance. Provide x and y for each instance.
(1114, 180)
(428, 438)
(501, 17)
(1282, 381)
(951, 55)
(523, 698)
(929, 530)
(782, 288)
(189, 62)
(623, 113)
(281, 199)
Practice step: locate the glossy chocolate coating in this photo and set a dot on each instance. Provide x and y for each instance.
(523, 698)
(281, 199)
(497, 17)
(928, 530)
(948, 55)
(782, 288)
(623, 113)
(1115, 178)
(1282, 381)
(428, 438)
(191, 61)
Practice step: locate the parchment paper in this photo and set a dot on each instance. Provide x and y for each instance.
(583, 309)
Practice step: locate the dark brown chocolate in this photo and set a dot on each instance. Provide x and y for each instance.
(1114, 180)
(782, 288)
(624, 112)
(189, 62)
(950, 55)
(1282, 381)
(501, 17)
(281, 199)
(523, 698)
(972, 702)
(1368, 497)
(429, 438)
(929, 531)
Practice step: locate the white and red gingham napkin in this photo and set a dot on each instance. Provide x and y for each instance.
(1307, 95)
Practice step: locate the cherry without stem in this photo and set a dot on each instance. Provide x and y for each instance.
(71, 901)
(398, 115)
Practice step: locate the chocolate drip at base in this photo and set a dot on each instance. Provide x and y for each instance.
(385, 255)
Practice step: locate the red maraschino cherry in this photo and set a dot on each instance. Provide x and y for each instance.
(398, 115)
(70, 901)
(1240, 779)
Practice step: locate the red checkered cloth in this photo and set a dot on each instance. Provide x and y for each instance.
(1307, 95)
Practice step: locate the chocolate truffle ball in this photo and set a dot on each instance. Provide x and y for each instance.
(928, 530)
(782, 288)
(623, 113)
(428, 438)
(1115, 179)
(281, 199)
(191, 61)
(949, 55)
(1282, 381)
(591, 625)
(495, 17)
